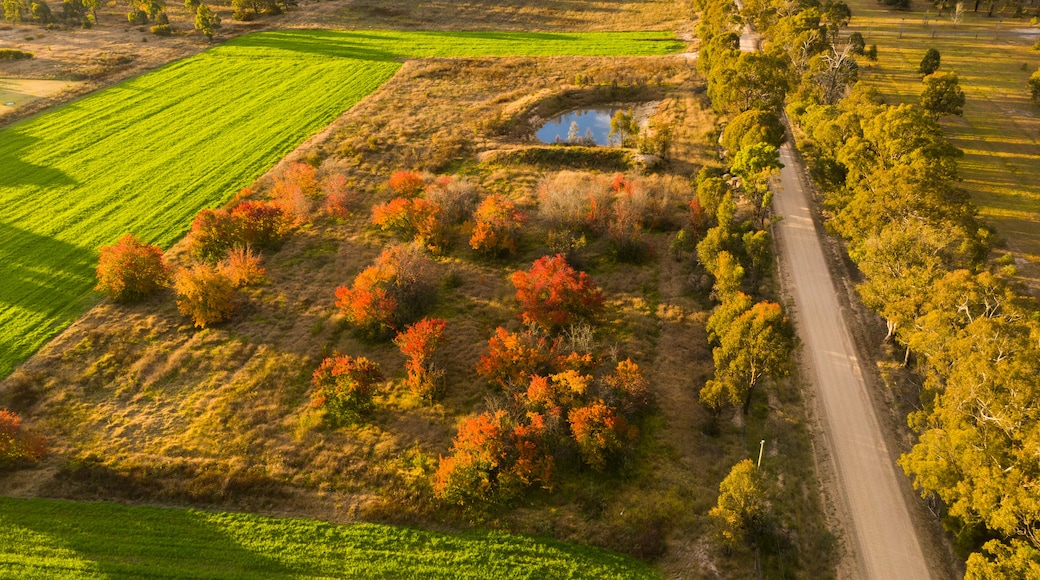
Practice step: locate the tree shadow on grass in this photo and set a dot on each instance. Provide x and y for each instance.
(16, 172)
(126, 542)
(44, 284)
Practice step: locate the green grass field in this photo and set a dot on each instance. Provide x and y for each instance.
(62, 539)
(1000, 130)
(146, 155)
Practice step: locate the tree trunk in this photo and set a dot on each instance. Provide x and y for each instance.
(906, 357)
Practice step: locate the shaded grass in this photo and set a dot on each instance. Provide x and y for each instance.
(61, 539)
(145, 155)
(1000, 130)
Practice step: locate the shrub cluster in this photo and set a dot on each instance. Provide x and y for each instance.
(255, 224)
(555, 402)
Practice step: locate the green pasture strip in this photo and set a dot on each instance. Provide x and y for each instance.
(62, 539)
(146, 155)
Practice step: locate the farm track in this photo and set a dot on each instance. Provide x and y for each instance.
(881, 531)
(146, 155)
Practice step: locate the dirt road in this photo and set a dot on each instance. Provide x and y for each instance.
(881, 534)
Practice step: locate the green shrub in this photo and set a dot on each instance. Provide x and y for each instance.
(162, 30)
(137, 17)
(12, 54)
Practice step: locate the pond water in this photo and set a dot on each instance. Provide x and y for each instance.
(584, 123)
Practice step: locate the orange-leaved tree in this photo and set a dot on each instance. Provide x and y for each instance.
(496, 226)
(388, 294)
(418, 342)
(512, 357)
(205, 293)
(600, 432)
(17, 445)
(407, 183)
(130, 269)
(495, 457)
(343, 387)
(416, 218)
(553, 294)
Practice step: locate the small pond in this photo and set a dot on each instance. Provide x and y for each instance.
(594, 123)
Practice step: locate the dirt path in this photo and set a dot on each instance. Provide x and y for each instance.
(881, 534)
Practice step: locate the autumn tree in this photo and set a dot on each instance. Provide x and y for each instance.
(344, 386)
(417, 218)
(741, 505)
(942, 95)
(130, 269)
(407, 183)
(205, 293)
(393, 291)
(256, 224)
(600, 433)
(418, 342)
(553, 294)
(494, 457)
(18, 445)
(496, 228)
(756, 345)
(512, 357)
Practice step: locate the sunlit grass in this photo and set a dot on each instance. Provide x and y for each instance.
(144, 156)
(62, 539)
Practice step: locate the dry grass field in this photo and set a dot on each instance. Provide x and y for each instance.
(1000, 130)
(140, 406)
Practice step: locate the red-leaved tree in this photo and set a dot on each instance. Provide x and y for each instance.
(418, 342)
(18, 446)
(256, 224)
(388, 294)
(343, 387)
(496, 226)
(553, 294)
(130, 269)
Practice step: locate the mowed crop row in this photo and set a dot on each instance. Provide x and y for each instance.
(62, 539)
(146, 155)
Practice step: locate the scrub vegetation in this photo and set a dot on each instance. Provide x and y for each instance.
(71, 181)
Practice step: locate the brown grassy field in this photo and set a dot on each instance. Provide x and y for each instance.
(140, 406)
(1000, 130)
